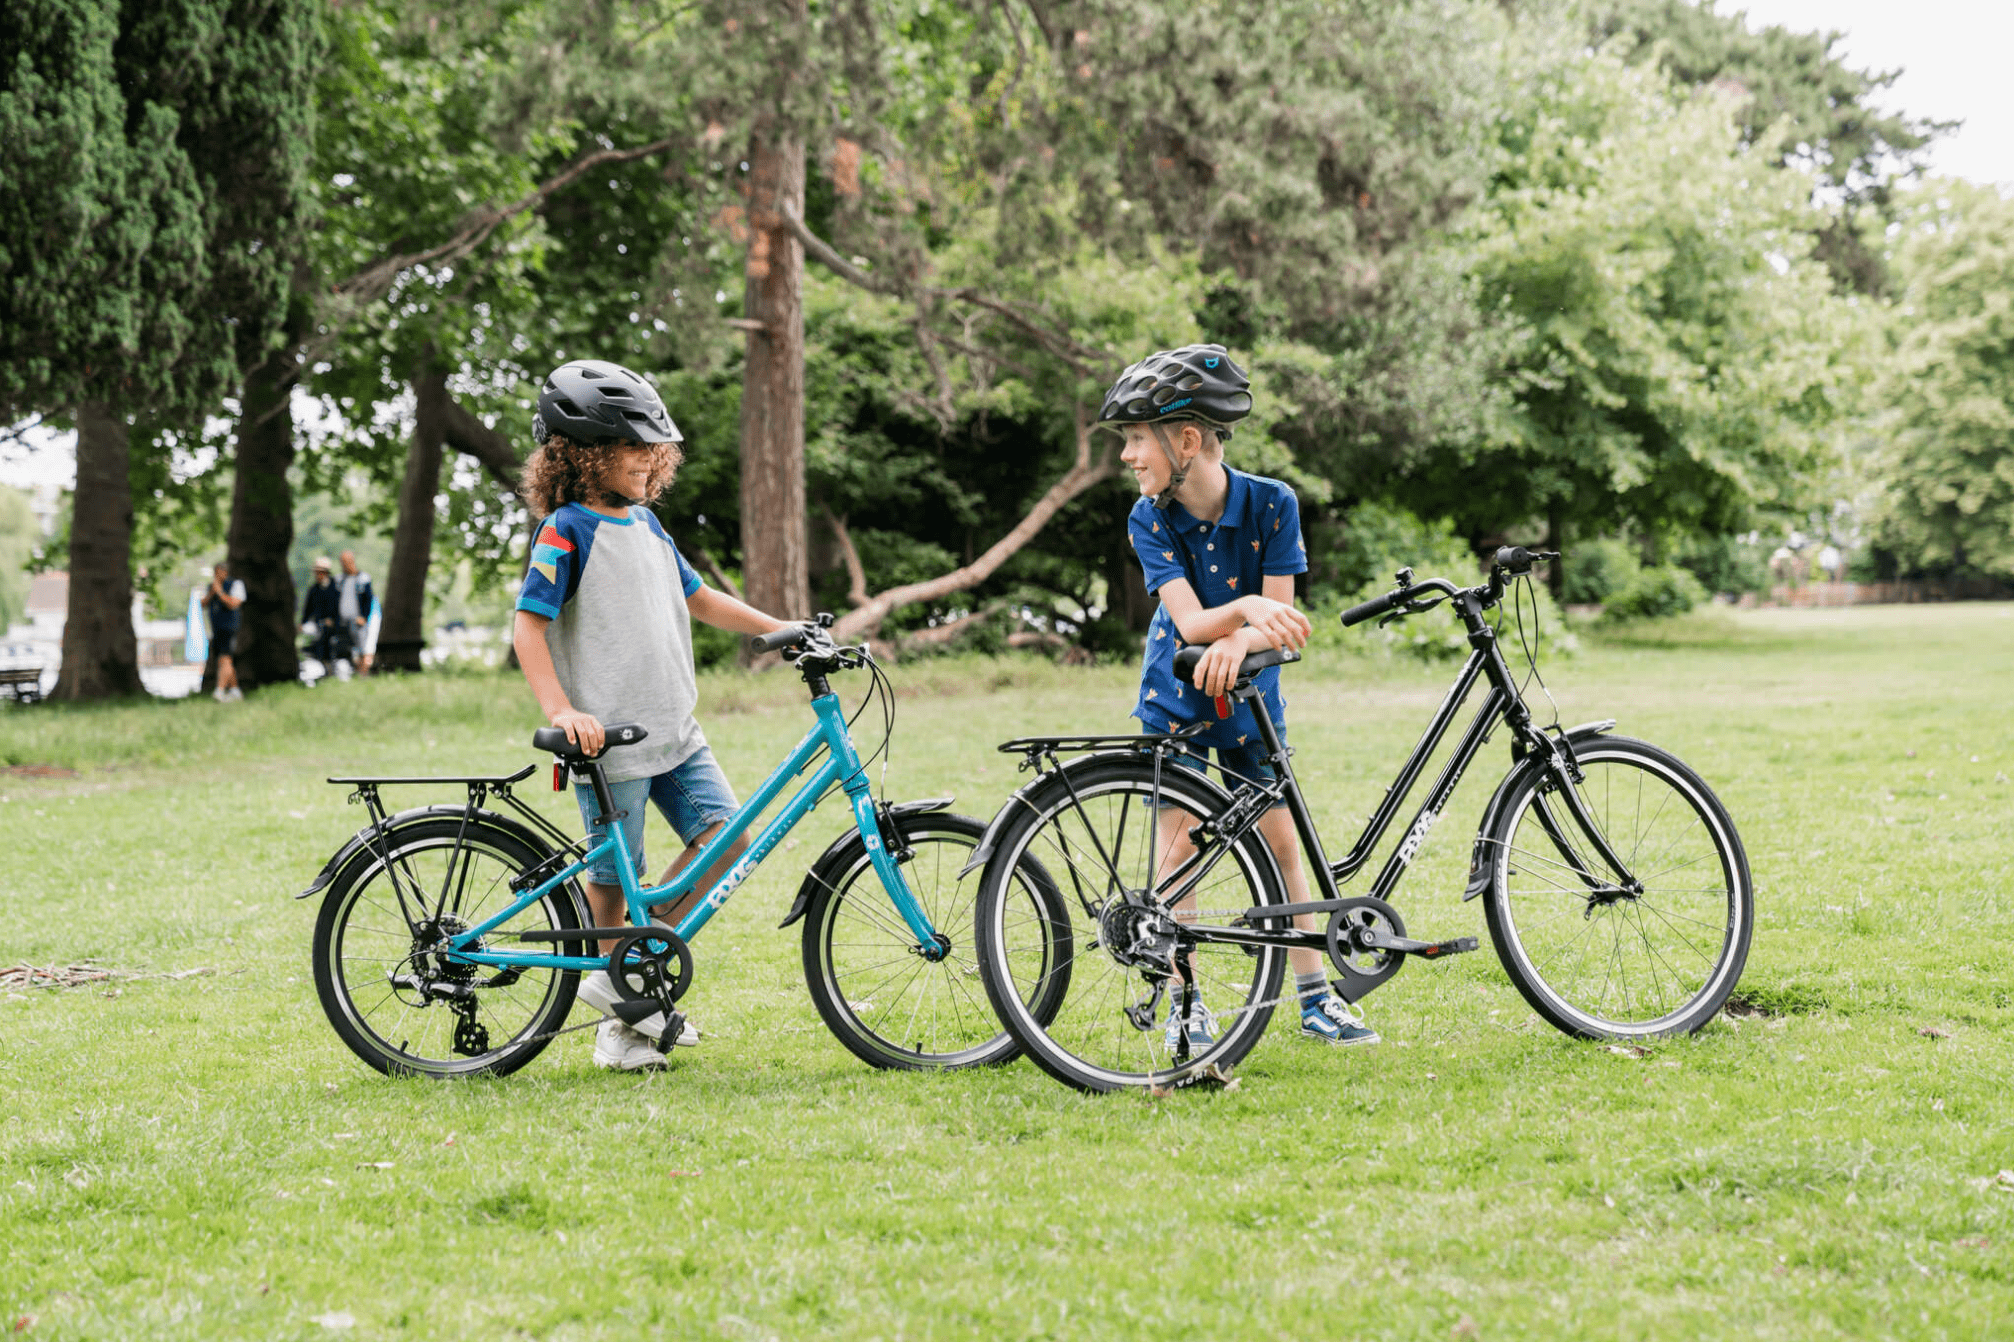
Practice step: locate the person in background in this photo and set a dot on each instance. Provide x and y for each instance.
(322, 619)
(221, 604)
(353, 607)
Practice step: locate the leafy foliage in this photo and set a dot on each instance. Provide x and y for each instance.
(1946, 463)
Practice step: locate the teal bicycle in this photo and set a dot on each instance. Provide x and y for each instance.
(451, 939)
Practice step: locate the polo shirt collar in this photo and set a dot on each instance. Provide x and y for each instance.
(1234, 503)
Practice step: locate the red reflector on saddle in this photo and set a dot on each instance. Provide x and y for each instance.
(558, 776)
(1223, 707)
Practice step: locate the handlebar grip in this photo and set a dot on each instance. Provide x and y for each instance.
(1371, 609)
(1515, 558)
(781, 638)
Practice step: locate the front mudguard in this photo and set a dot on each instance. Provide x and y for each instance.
(1479, 865)
(837, 847)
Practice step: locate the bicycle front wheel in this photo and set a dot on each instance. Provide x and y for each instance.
(1094, 828)
(1645, 952)
(399, 1004)
(877, 993)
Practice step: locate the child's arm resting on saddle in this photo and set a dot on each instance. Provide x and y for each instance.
(1237, 629)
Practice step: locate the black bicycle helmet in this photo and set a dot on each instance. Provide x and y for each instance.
(591, 401)
(1194, 382)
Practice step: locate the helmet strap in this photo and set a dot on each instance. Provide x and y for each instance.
(1177, 472)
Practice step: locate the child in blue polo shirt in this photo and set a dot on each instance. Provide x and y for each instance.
(1221, 549)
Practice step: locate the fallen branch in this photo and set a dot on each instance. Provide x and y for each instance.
(712, 570)
(937, 635)
(1091, 467)
(856, 576)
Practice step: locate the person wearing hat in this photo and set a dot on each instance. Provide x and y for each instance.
(321, 619)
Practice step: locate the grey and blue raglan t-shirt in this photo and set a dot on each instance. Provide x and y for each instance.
(621, 636)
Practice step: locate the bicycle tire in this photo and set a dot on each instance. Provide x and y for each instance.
(1656, 953)
(1089, 1042)
(355, 959)
(883, 1001)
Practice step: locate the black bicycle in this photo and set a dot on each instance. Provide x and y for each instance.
(1617, 892)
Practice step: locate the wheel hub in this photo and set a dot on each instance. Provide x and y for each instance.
(1136, 933)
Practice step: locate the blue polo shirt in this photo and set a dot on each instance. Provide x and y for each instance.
(1258, 536)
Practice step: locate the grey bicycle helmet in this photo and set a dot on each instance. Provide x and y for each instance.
(1196, 382)
(591, 401)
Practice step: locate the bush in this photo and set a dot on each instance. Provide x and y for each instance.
(1724, 564)
(1654, 594)
(1596, 569)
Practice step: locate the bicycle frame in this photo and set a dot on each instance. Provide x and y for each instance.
(1503, 701)
(841, 766)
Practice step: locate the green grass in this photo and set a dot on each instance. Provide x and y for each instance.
(198, 1157)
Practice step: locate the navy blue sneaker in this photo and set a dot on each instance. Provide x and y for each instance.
(1201, 1026)
(1328, 1019)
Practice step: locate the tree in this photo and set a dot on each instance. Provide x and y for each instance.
(1945, 465)
(20, 536)
(1684, 362)
(1797, 98)
(150, 182)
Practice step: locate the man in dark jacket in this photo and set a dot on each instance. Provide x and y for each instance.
(321, 615)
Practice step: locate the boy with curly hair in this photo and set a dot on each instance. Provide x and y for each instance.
(603, 631)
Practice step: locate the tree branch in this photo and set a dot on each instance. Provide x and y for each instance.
(818, 249)
(856, 576)
(375, 280)
(491, 448)
(712, 570)
(1090, 468)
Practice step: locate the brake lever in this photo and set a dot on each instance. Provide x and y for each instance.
(1414, 607)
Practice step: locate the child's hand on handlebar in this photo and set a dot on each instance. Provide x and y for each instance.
(582, 729)
(1278, 623)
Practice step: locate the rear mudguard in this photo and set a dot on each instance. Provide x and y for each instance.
(1479, 867)
(371, 839)
(852, 836)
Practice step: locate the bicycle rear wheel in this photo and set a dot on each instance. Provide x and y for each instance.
(1600, 964)
(405, 1009)
(1093, 828)
(882, 999)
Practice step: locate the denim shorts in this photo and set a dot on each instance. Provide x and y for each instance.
(1248, 759)
(693, 797)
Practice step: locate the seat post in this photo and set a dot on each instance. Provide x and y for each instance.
(602, 796)
(1297, 805)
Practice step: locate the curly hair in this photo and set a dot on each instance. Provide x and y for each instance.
(563, 471)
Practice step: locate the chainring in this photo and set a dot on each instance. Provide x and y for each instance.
(652, 964)
(1363, 969)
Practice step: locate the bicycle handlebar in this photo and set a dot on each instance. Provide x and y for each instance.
(791, 636)
(1376, 606)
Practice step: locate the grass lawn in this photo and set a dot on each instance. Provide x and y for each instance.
(187, 1151)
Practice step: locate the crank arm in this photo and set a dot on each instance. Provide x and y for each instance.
(1370, 938)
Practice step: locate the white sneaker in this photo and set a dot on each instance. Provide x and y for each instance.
(621, 1049)
(220, 694)
(598, 991)
(236, 694)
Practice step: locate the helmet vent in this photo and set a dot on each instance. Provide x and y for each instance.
(1190, 383)
(1165, 395)
(566, 406)
(589, 372)
(1137, 407)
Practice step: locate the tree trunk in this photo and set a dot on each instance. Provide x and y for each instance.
(400, 637)
(1126, 596)
(1555, 578)
(262, 523)
(775, 564)
(101, 658)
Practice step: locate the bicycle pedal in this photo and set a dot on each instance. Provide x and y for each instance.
(674, 1026)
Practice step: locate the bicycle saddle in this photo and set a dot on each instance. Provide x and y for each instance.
(553, 741)
(1189, 654)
